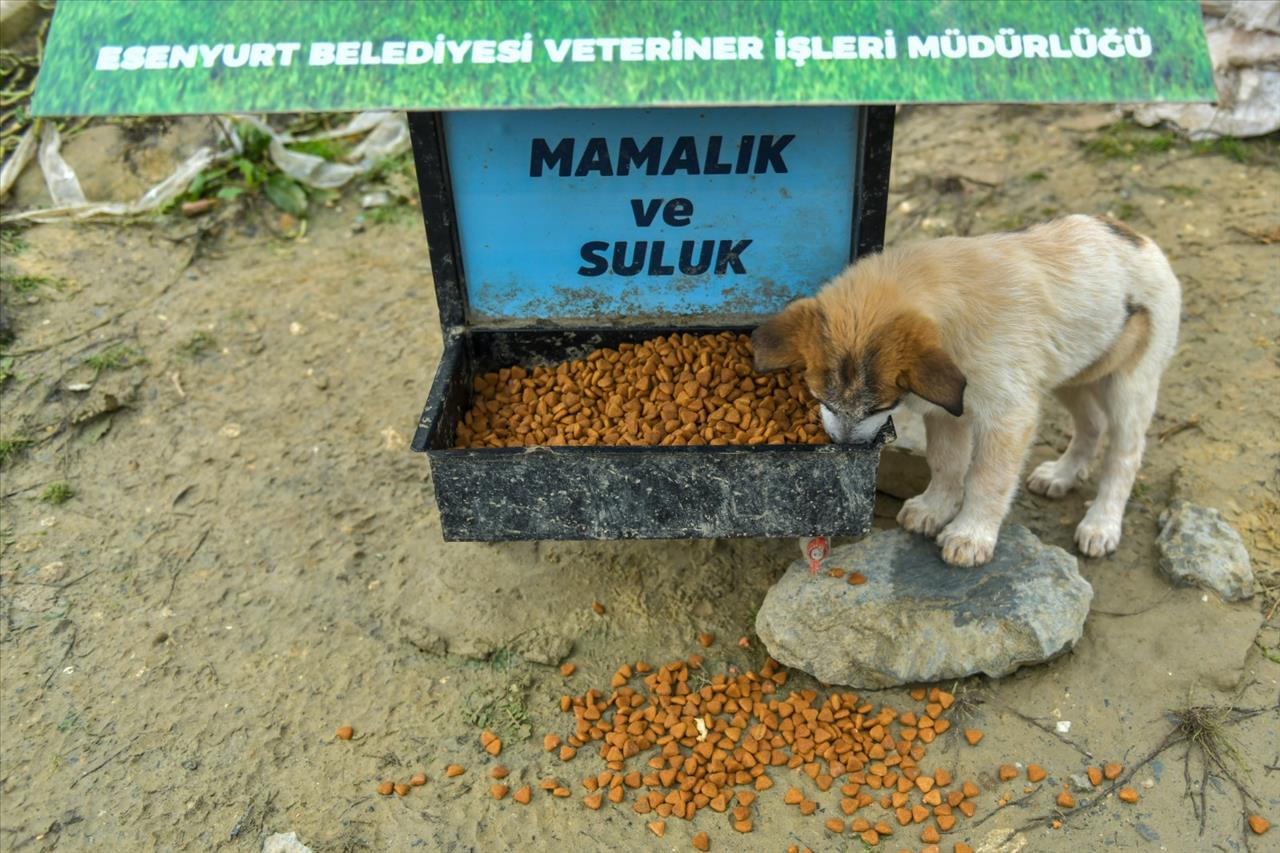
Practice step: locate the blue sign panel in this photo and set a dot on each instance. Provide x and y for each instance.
(608, 215)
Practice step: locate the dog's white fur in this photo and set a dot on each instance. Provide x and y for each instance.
(1058, 309)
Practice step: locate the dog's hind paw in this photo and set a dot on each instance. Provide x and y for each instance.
(967, 546)
(1097, 539)
(920, 515)
(1050, 481)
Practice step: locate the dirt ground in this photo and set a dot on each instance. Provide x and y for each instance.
(252, 557)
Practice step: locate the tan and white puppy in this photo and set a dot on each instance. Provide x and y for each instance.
(971, 332)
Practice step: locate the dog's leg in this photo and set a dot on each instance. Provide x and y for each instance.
(948, 447)
(1000, 449)
(1129, 401)
(1054, 479)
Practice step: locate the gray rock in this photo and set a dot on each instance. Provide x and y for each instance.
(284, 842)
(918, 619)
(1198, 548)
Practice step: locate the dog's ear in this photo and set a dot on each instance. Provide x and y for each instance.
(923, 368)
(781, 341)
(933, 376)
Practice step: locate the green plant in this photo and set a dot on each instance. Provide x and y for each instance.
(31, 283)
(1036, 177)
(11, 240)
(197, 345)
(6, 368)
(57, 493)
(1128, 141)
(119, 357)
(250, 171)
(10, 447)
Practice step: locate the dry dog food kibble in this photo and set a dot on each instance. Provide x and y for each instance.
(678, 390)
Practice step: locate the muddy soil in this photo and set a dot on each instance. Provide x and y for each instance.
(252, 558)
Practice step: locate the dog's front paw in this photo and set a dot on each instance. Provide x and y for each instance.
(1097, 538)
(965, 545)
(921, 515)
(1051, 481)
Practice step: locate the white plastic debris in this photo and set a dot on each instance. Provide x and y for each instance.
(386, 134)
(284, 842)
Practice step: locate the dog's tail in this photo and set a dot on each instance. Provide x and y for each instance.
(1124, 352)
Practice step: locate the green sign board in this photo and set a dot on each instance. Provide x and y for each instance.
(138, 57)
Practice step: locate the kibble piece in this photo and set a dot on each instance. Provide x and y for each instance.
(808, 807)
(1035, 773)
(1112, 771)
(871, 837)
(385, 787)
(568, 669)
(705, 640)
(973, 736)
(418, 780)
(1259, 824)
(454, 770)
(1007, 772)
(793, 797)
(967, 808)
(567, 752)
(550, 742)
(344, 733)
(942, 777)
(523, 795)
(593, 802)
(930, 835)
(499, 772)
(401, 789)
(856, 578)
(498, 791)
(961, 847)
(494, 747)
(1066, 801)
(1128, 795)
(701, 841)
(836, 825)
(658, 828)
(561, 792)
(1095, 776)
(970, 790)
(598, 608)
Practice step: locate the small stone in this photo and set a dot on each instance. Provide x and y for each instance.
(917, 619)
(1198, 548)
(284, 842)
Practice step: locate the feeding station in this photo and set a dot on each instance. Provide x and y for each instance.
(600, 173)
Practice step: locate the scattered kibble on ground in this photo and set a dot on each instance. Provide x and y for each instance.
(702, 841)
(1066, 801)
(385, 787)
(1259, 824)
(1112, 771)
(568, 669)
(1035, 773)
(598, 608)
(1128, 795)
(973, 736)
(344, 733)
(454, 770)
(705, 640)
(418, 780)
(401, 789)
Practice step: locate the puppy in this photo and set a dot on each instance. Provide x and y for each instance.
(971, 332)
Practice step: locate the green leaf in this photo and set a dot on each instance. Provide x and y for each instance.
(230, 192)
(286, 194)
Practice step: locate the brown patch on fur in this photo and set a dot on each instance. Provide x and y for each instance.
(911, 360)
(790, 339)
(1123, 231)
(1128, 347)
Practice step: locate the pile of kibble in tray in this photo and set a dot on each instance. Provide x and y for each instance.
(679, 390)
